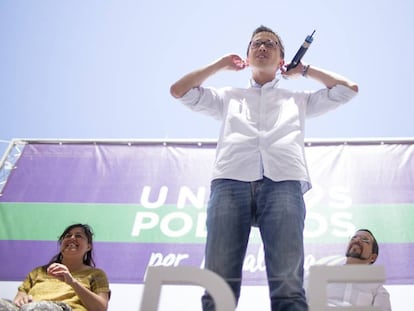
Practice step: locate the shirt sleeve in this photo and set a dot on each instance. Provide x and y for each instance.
(326, 99)
(99, 282)
(205, 100)
(382, 299)
(27, 283)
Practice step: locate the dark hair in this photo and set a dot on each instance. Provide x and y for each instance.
(375, 247)
(88, 258)
(262, 28)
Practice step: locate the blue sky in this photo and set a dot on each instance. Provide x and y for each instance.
(102, 69)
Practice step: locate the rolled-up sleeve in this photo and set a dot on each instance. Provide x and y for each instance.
(204, 100)
(191, 98)
(326, 100)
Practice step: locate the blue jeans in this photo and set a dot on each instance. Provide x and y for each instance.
(278, 209)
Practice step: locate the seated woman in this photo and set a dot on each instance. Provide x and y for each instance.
(68, 282)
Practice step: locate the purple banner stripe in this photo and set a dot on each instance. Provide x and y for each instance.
(106, 173)
(119, 173)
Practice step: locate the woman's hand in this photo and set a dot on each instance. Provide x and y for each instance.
(22, 298)
(61, 272)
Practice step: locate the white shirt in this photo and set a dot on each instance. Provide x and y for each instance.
(262, 131)
(358, 294)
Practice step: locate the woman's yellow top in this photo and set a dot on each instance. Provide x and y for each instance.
(45, 287)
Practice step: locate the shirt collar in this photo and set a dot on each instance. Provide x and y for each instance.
(271, 84)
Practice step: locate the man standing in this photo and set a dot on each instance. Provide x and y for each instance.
(260, 172)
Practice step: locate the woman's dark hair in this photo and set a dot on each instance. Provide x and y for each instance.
(88, 258)
(262, 28)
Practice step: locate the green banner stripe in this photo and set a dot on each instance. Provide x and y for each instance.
(110, 222)
(390, 223)
(169, 224)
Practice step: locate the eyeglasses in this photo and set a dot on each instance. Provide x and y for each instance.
(363, 239)
(269, 44)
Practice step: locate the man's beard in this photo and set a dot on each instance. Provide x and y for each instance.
(354, 251)
(354, 255)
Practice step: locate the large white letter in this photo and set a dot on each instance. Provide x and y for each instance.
(321, 225)
(165, 224)
(320, 276)
(162, 197)
(185, 275)
(144, 220)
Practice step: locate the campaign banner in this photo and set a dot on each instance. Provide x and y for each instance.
(146, 203)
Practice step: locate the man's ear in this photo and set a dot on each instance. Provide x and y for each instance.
(373, 258)
(282, 62)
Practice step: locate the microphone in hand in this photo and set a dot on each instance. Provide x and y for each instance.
(302, 50)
